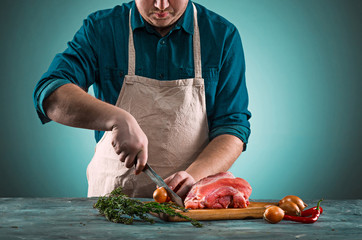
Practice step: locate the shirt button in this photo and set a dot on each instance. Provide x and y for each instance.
(161, 76)
(163, 42)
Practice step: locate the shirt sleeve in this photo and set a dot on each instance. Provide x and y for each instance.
(231, 115)
(77, 65)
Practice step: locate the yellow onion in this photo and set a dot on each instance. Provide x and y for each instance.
(273, 214)
(160, 195)
(290, 208)
(294, 199)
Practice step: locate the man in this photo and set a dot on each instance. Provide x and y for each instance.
(169, 81)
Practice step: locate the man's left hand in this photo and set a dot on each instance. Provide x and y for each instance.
(181, 183)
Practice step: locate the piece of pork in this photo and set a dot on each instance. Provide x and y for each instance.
(221, 190)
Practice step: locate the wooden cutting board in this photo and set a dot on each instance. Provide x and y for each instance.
(254, 210)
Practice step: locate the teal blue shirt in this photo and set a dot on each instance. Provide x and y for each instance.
(98, 56)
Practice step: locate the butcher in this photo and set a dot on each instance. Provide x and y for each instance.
(169, 89)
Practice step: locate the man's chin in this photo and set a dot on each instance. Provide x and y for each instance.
(161, 23)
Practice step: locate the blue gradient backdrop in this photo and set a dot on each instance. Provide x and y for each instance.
(303, 75)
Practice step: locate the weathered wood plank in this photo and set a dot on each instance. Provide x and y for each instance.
(67, 218)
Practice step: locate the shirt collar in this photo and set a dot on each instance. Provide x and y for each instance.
(136, 18)
(186, 21)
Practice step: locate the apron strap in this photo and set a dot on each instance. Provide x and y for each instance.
(131, 50)
(196, 48)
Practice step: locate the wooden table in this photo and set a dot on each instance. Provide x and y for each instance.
(75, 218)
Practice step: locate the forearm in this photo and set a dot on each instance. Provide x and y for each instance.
(218, 156)
(71, 106)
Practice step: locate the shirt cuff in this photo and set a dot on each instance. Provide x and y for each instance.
(43, 93)
(239, 131)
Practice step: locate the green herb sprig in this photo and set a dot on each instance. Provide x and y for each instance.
(119, 208)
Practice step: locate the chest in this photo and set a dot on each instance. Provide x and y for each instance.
(162, 58)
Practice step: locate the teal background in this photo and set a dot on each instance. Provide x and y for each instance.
(304, 79)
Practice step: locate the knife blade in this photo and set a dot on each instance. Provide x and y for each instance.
(160, 183)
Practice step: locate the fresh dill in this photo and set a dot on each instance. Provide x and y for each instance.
(119, 208)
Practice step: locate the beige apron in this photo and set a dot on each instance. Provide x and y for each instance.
(171, 113)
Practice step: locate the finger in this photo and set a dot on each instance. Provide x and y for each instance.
(169, 179)
(185, 187)
(122, 156)
(129, 160)
(141, 161)
(175, 181)
(116, 147)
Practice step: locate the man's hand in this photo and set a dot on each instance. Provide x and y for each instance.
(72, 106)
(181, 183)
(130, 143)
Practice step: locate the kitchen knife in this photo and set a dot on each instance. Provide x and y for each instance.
(160, 183)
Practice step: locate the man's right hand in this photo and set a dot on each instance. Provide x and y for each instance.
(72, 106)
(130, 143)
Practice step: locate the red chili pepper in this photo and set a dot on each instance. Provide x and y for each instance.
(308, 216)
(310, 211)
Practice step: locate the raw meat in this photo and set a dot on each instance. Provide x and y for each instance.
(221, 190)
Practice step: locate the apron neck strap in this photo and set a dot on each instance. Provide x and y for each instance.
(196, 48)
(131, 49)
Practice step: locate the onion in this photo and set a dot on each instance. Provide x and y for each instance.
(290, 208)
(295, 200)
(160, 195)
(273, 214)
